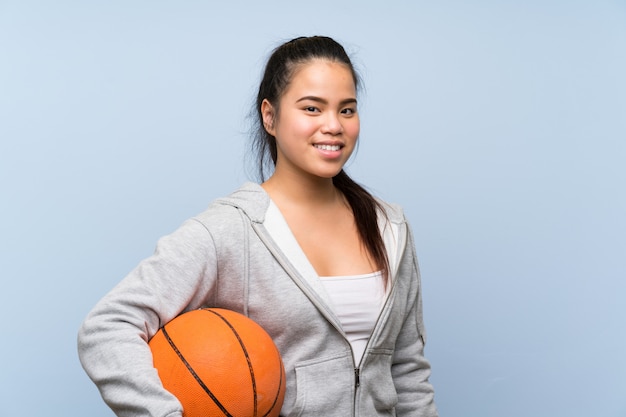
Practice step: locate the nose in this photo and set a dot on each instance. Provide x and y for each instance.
(332, 124)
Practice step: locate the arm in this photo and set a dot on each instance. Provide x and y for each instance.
(410, 368)
(112, 342)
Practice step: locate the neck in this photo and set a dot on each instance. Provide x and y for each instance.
(310, 191)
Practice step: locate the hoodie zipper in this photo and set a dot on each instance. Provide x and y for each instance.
(357, 370)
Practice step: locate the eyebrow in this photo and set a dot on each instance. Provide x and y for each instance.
(323, 101)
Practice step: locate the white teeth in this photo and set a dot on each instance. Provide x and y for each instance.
(328, 147)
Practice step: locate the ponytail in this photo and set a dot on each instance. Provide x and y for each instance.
(365, 210)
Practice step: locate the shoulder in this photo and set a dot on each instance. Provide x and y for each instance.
(249, 200)
(391, 211)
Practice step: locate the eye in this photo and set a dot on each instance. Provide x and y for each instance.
(348, 111)
(311, 109)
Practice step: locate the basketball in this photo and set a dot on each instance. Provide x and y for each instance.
(219, 363)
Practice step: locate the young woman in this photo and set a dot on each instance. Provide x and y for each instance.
(326, 269)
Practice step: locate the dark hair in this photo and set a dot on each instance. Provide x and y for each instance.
(279, 71)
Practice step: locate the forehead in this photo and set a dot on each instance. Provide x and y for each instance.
(323, 76)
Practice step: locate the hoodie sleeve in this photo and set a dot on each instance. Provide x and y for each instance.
(112, 341)
(410, 368)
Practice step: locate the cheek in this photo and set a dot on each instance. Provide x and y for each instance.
(352, 129)
(306, 125)
(299, 128)
(302, 130)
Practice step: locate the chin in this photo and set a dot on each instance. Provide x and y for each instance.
(329, 174)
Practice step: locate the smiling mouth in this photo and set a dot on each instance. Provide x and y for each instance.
(328, 147)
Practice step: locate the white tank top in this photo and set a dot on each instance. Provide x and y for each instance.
(357, 301)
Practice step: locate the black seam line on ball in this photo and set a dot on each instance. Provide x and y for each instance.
(280, 384)
(194, 374)
(245, 352)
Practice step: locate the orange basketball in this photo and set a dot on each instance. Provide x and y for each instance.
(219, 363)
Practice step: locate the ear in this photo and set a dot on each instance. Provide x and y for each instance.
(268, 113)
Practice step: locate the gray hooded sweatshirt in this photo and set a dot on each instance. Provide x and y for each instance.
(240, 255)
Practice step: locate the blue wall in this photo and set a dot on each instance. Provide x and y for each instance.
(500, 126)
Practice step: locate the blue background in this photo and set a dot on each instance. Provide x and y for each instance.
(500, 126)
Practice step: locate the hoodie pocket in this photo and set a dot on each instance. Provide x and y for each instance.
(377, 382)
(324, 387)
